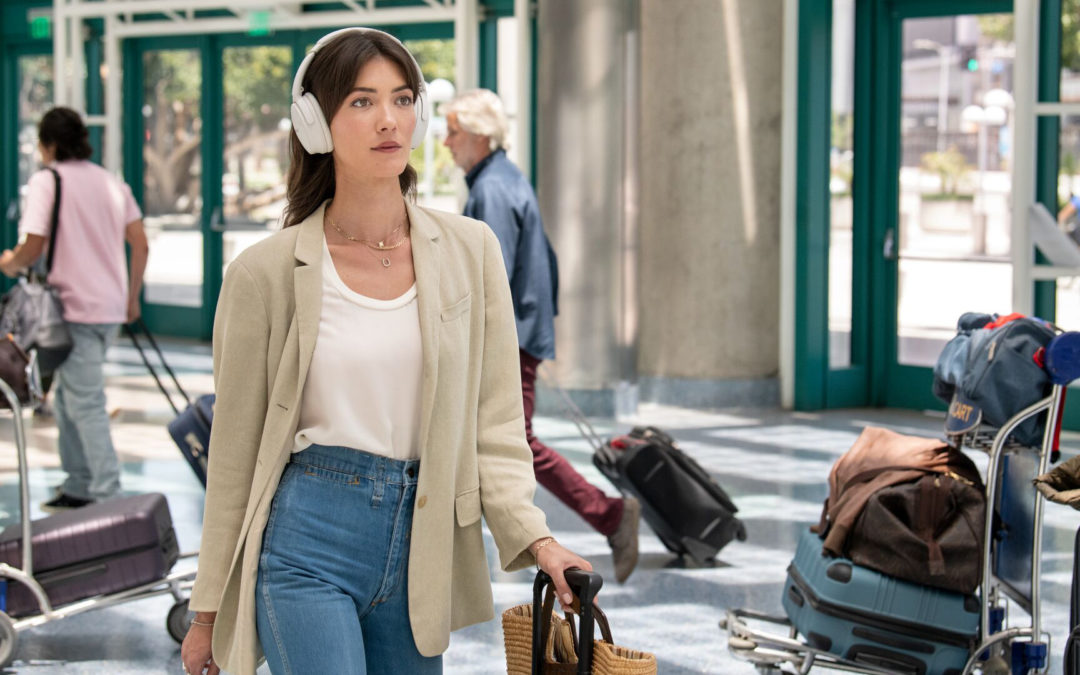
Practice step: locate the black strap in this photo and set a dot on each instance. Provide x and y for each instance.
(54, 224)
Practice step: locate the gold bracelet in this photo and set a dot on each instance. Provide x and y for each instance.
(201, 623)
(543, 542)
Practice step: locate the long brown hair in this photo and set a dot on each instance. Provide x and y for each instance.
(330, 77)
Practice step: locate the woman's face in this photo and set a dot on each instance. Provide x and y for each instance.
(372, 130)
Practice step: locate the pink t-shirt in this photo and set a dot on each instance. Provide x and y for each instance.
(90, 266)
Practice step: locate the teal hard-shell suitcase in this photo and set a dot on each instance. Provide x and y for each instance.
(868, 617)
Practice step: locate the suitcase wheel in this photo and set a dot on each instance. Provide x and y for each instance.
(9, 639)
(179, 620)
(740, 533)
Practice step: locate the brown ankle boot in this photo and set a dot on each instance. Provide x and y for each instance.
(624, 540)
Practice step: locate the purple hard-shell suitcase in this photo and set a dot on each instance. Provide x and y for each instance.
(95, 550)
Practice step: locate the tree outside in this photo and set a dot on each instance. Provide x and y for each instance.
(172, 132)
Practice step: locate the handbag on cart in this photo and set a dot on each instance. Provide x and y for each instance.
(19, 370)
(538, 642)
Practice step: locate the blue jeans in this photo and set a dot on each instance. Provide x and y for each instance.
(332, 594)
(86, 449)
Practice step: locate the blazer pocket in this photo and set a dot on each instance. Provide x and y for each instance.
(456, 309)
(467, 506)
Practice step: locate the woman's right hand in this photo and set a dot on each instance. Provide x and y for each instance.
(196, 652)
(555, 560)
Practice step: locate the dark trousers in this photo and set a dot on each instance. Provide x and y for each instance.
(556, 474)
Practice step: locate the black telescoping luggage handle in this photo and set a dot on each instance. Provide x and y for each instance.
(585, 585)
(161, 357)
(578, 418)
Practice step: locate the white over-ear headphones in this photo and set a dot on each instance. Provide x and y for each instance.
(310, 123)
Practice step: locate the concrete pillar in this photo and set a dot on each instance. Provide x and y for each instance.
(711, 92)
(586, 166)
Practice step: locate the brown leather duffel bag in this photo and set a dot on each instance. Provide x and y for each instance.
(929, 530)
(913, 508)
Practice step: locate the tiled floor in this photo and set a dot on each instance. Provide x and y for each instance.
(773, 463)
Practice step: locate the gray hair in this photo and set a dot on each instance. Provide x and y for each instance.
(480, 112)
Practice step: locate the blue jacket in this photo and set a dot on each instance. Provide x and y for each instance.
(500, 196)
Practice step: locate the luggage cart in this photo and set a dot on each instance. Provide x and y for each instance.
(175, 583)
(1012, 550)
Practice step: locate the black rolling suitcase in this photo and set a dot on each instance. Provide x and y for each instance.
(102, 548)
(190, 429)
(688, 510)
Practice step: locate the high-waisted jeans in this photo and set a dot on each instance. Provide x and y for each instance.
(332, 593)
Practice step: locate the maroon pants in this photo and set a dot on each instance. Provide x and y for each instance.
(556, 474)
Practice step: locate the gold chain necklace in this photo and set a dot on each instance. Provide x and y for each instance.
(379, 246)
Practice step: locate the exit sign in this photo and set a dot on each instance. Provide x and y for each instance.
(259, 22)
(40, 25)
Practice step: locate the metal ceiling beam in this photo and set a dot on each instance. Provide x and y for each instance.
(313, 20)
(180, 19)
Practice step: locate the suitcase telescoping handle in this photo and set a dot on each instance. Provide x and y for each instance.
(585, 586)
(576, 416)
(141, 325)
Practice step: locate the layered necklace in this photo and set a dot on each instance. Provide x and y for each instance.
(380, 245)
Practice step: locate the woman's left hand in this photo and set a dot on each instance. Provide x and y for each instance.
(6, 259)
(555, 560)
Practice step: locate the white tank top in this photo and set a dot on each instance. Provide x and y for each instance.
(363, 385)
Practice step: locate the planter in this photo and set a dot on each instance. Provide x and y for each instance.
(945, 215)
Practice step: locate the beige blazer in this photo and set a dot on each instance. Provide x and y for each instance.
(473, 454)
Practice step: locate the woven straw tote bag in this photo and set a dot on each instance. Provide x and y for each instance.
(560, 646)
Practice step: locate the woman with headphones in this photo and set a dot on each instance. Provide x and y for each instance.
(368, 405)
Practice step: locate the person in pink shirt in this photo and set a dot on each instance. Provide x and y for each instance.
(97, 216)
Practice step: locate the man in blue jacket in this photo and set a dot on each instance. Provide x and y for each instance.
(500, 196)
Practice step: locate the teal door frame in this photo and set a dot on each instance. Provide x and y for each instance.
(193, 322)
(874, 378)
(898, 385)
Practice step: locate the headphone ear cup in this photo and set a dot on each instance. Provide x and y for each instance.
(423, 116)
(310, 125)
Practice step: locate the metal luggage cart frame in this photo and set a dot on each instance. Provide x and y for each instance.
(750, 639)
(175, 583)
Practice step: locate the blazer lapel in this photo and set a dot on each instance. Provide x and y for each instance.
(426, 263)
(307, 285)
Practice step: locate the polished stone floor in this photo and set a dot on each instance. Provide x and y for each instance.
(773, 463)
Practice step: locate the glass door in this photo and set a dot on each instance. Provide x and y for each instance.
(945, 235)
(33, 95)
(256, 80)
(169, 183)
